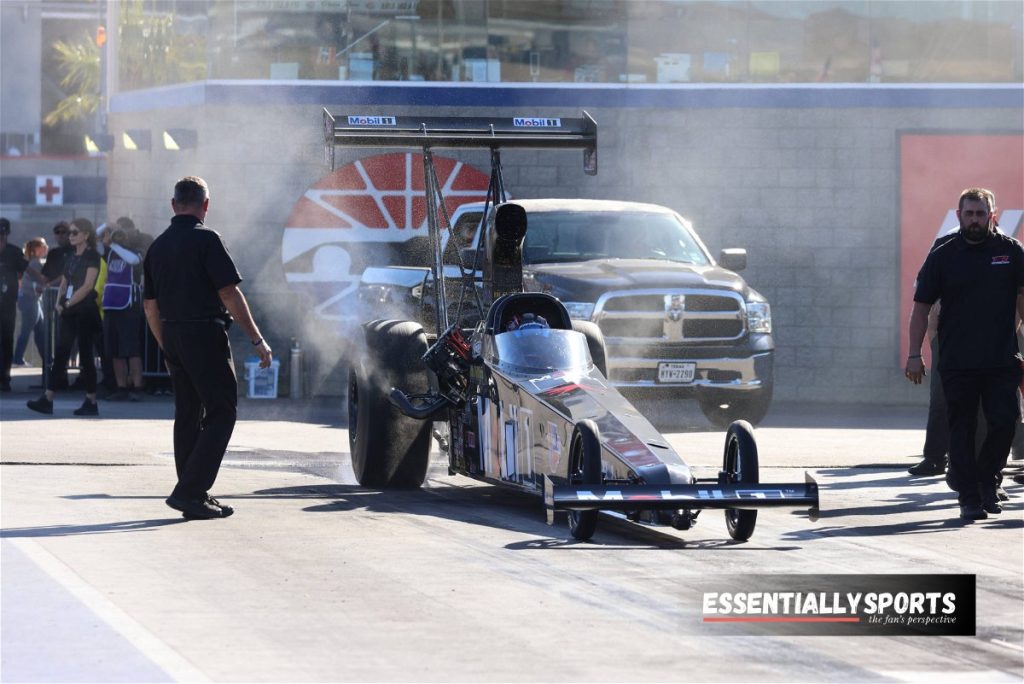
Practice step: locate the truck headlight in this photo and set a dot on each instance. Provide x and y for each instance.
(759, 317)
(580, 310)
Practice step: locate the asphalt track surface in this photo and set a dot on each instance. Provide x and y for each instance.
(317, 579)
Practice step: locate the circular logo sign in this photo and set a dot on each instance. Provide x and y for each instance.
(363, 214)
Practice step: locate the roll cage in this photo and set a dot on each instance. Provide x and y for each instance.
(429, 133)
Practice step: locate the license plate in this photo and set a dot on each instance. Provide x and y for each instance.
(676, 371)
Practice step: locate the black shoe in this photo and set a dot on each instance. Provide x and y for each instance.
(225, 510)
(928, 466)
(972, 512)
(134, 397)
(88, 408)
(196, 509)
(992, 506)
(41, 405)
(119, 395)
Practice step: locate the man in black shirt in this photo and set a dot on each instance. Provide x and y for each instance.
(978, 275)
(53, 269)
(191, 295)
(12, 264)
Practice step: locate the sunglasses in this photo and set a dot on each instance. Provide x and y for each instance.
(73, 232)
(60, 232)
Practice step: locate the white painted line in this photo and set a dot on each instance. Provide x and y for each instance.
(950, 676)
(1007, 644)
(138, 636)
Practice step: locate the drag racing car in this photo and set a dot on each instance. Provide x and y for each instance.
(516, 393)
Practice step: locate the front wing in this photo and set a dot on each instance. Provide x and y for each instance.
(673, 497)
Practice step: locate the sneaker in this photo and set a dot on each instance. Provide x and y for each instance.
(134, 397)
(196, 509)
(1001, 493)
(88, 408)
(119, 395)
(41, 405)
(972, 512)
(928, 466)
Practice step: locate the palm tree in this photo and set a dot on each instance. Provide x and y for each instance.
(150, 53)
(80, 63)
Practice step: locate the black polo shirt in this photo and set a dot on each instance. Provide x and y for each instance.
(53, 269)
(185, 267)
(978, 287)
(12, 264)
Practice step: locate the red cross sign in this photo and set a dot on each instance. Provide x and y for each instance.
(50, 190)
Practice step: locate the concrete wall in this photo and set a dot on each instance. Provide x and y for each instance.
(21, 71)
(807, 181)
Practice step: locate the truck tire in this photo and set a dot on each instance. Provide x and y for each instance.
(723, 408)
(595, 342)
(389, 450)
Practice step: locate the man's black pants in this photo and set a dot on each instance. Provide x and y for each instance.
(205, 402)
(996, 389)
(8, 315)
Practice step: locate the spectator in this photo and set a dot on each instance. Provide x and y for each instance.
(79, 317)
(30, 305)
(978, 275)
(122, 315)
(53, 269)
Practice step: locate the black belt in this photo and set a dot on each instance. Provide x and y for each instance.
(219, 321)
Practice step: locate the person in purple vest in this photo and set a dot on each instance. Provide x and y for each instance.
(122, 315)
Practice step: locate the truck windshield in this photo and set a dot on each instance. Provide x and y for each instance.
(541, 351)
(581, 236)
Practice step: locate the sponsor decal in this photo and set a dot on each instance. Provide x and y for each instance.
(865, 605)
(372, 121)
(361, 215)
(934, 169)
(535, 122)
(1000, 260)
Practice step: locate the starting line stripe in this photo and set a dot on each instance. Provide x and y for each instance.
(170, 661)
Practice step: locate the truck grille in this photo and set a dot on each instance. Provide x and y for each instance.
(671, 315)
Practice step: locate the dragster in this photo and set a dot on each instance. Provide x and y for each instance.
(512, 389)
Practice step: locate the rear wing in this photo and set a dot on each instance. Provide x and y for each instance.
(534, 132)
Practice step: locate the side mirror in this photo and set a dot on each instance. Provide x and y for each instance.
(734, 259)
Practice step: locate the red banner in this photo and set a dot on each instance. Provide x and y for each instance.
(934, 169)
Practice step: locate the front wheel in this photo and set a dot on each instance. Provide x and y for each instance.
(585, 469)
(740, 467)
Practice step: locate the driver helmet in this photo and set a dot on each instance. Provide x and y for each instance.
(527, 321)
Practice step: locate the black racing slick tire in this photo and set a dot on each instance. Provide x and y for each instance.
(595, 343)
(584, 469)
(740, 467)
(723, 408)
(389, 450)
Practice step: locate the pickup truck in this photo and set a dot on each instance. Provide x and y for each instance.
(675, 321)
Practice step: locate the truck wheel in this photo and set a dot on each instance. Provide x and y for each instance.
(389, 450)
(595, 343)
(585, 469)
(723, 408)
(740, 467)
